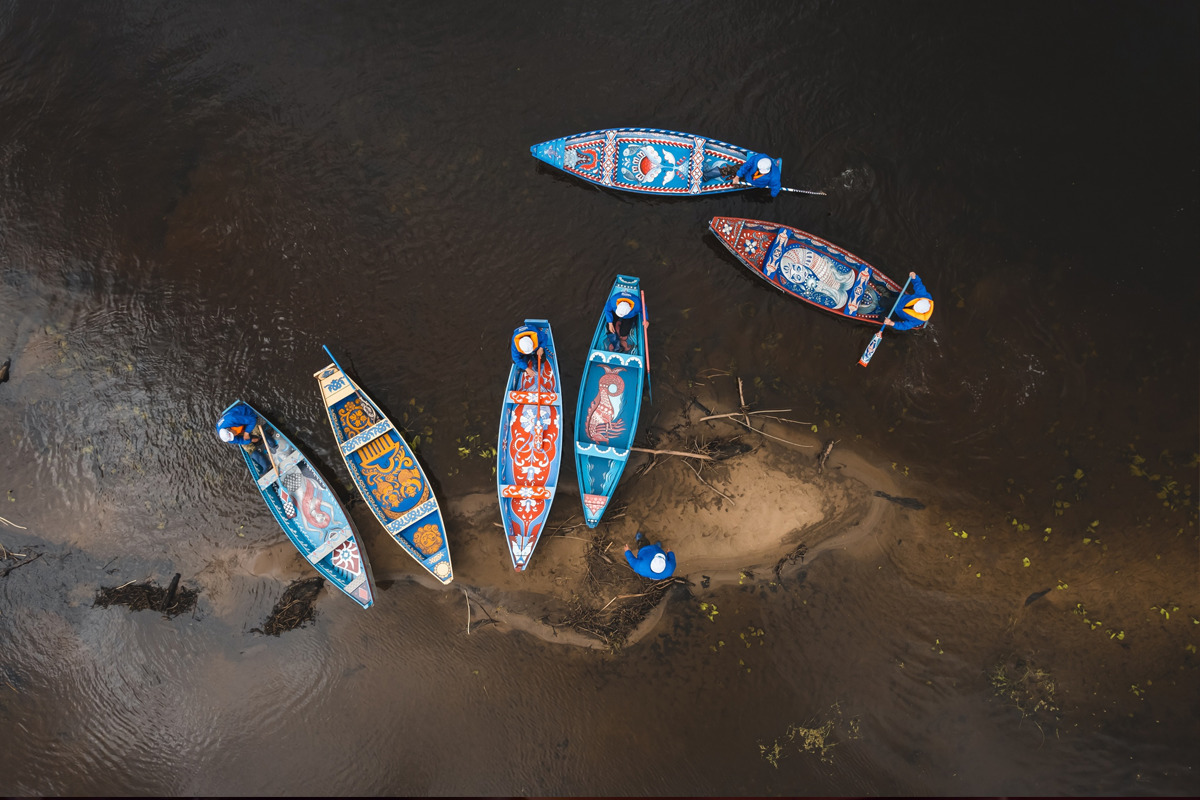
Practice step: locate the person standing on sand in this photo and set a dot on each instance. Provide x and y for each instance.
(651, 560)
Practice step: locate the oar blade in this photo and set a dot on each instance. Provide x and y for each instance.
(869, 353)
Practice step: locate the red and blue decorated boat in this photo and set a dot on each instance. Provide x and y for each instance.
(606, 415)
(648, 160)
(529, 451)
(809, 268)
(310, 513)
(385, 471)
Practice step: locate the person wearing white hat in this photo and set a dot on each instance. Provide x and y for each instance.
(236, 426)
(620, 312)
(526, 348)
(762, 171)
(651, 560)
(916, 310)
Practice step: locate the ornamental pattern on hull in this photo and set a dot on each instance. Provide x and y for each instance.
(808, 267)
(531, 448)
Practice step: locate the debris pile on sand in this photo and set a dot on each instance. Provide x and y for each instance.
(296, 607)
(149, 596)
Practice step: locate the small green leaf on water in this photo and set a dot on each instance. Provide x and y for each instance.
(1078, 474)
(814, 428)
(1025, 561)
(1191, 648)
(1086, 540)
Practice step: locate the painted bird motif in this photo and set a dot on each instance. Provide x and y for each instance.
(602, 417)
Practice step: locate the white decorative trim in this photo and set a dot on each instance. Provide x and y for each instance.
(371, 433)
(425, 509)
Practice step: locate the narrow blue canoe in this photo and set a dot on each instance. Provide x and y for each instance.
(386, 472)
(310, 514)
(648, 160)
(529, 449)
(606, 416)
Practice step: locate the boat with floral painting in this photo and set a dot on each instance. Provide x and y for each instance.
(309, 512)
(809, 268)
(651, 161)
(385, 471)
(529, 450)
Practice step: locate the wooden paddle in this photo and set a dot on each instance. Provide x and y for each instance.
(537, 409)
(646, 343)
(781, 188)
(878, 337)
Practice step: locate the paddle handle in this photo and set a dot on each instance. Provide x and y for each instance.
(873, 345)
(646, 342)
(801, 191)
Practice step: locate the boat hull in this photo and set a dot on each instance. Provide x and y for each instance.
(386, 472)
(529, 450)
(606, 415)
(647, 160)
(809, 268)
(311, 515)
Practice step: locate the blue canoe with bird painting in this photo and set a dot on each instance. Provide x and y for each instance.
(648, 160)
(606, 415)
(529, 450)
(310, 514)
(809, 268)
(386, 471)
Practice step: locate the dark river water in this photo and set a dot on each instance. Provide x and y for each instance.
(194, 197)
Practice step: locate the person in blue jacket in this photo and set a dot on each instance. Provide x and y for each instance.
(620, 312)
(916, 311)
(651, 560)
(236, 426)
(762, 171)
(526, 348)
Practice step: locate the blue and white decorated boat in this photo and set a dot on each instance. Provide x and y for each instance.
(809, 268)
(310, 514)
(648, 160)
(606, 416)
(529, 450)
(386, 471)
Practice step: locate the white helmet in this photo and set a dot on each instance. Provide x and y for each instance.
(624, 307)
(764, 165)
(525, 344)
(923, 305)
(225, 435)
(658, 563)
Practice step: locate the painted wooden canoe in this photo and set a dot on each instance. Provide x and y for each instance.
(386, 471)
(809, 268)
(529, 451)
(647, 160)
(311, 515)
(606, 415)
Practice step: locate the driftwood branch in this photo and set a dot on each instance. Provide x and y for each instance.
(20, 564)
(700, 456)
(709, 485)
(12, 524)
(750, 413)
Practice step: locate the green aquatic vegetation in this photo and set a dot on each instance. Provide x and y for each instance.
(1166, 609)
(1025, 561)
(812, 738)
(710, 611)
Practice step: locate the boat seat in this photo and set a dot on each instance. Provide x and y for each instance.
(534, 398)
(329, 545)
(366, 437)
(535, 492)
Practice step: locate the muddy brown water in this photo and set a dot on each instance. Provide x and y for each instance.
(194, 198)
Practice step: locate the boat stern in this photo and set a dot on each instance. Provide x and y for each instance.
(552, 152)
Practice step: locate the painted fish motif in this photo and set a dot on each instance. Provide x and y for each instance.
(602, 417)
